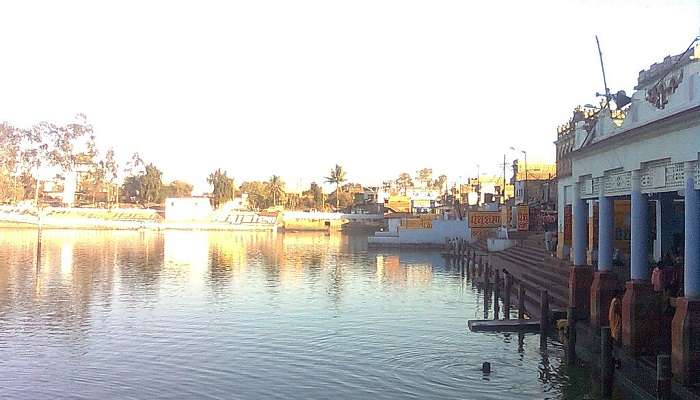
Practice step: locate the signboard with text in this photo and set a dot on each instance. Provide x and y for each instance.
(484, 219)
(523, 218)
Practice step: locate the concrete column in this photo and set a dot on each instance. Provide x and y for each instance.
(579, 232)
(604, 286)
(580, 275)
(639, 227)
(692, 235)
(640, 304)
(685, 328)
(592, 252)
(606, 219)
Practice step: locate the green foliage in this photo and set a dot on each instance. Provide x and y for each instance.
(275, 187)
(144, 187)
(404, 181)
(336, 176)
(24, 151)
(440, 182)
(10, 189)
(150, 184)
(425, 176)
(257, 193)
(131, 188)
(224, 188)
(175, 189)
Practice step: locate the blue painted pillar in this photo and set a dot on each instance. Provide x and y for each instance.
(606, 220)
(692, 235)
(639, 227)
(579, 233)
(665, 218)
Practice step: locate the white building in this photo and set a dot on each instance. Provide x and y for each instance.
(644, 156)
(187, 209)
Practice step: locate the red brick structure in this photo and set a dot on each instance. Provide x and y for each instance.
(580, 279)
(603, 290)
(685, 333)
(641, 318)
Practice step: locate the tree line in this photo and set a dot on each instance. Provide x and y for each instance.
(71, 147)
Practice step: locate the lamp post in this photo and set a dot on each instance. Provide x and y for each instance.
(525, 183)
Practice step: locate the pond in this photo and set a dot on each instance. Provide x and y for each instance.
(216, 315)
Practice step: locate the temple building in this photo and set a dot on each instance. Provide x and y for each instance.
(629, 215)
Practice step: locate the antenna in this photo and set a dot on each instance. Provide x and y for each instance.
(605, 82)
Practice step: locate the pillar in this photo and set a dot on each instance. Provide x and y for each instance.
(639, 227)
(563, 223)
(685, 328)
(580, 275)
(664, 224)
(580, 233)
(592, 253)
(604, 284)
(640, 304)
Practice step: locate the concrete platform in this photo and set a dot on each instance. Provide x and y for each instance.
(504, 325)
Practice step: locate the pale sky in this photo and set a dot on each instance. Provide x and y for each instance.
(292, 87)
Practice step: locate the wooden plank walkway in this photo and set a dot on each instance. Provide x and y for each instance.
(504, 325)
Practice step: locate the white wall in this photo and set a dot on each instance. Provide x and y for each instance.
(187, 209)
(441, 229)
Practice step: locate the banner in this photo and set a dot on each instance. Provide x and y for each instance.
(567, 225)
(523, 218)
(484, 219)
(417, 223)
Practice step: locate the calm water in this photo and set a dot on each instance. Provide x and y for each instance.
(194, 315)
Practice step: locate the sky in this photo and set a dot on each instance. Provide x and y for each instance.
(293, 87)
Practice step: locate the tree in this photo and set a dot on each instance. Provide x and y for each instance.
(133, 172)
(10, 139)
(150, 184)
(131, 188)
(440, 182)
(425, 176)
(223, 187)
(176, 189)
(317, 193)
(258, 193)
(275, 188)
(110, 170)
(404, 181)
(50, 144)
(337, 176)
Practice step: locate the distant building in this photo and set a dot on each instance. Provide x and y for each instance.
(536, 184)
(485, 189)
(187, 209)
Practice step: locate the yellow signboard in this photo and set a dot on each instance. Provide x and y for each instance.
(417, 223)
(399, 204)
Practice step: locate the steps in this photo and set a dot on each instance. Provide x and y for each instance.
(532, 265)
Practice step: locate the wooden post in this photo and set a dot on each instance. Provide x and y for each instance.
(663, 377)
(544, 315)
(606, 362)
(521, 300)
(496, 294)
(506, 295)
(486, 301)
(571, 327)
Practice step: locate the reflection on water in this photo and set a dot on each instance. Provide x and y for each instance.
(249, 315)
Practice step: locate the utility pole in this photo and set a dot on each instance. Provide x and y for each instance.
(605, 82)
(503, 189)
(478, 185)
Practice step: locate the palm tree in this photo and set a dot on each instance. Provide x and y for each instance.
(336, 176)
(276, 186)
